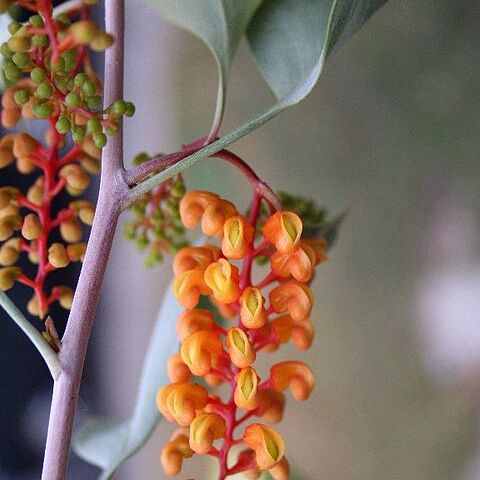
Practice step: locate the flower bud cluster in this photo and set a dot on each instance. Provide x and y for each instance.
(47, 66)
(259, 316)
(46, 61)
(156, 226)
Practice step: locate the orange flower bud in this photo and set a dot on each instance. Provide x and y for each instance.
(24, 145)
(188, 286)
(32, 227)
(284, 230)
(8, 275)
(71, 230)
(189, 258)
(7, 194)
(252, 309)
(268, 445)
(177, 370)
(215, 215)
(299, 263)
(237, 237)
(271, 405)
(192, 206)
(57, 255)
(25, 166)
(301, 333)
(75, 176)
(294, 374)
(9, 252)
(281, 471)
(245, 395)
(8, 224)
(179, 402)
(294, 298)
(319, 246)
(223, 278)
(33, 307)
(66, 297)
(193, 321)
(240, 349)
(204, 430)
(213, 380)
(174, 452)
(76, 251)
(226, 311)
(200, 350)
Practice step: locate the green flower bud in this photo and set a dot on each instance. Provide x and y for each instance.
(63, 125)
(37, 75)
(118, 108)
(73, 100)
(21, 97)
(80, 79)
(140, 158)
(64, 19)
(5, 51)
(12, 73)
(100, 140)
(78, 134)
(112, 130)
(88, 88)
(39, 40)
(94, 125)
(36, 21)
(129, 231)
(59, 65)
(14, 27)
(130, 110)
(42, 110)
(94, 101)
(44, 91)
(21, 59)
(19, 43)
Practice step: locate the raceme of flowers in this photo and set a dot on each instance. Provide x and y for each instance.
(257, 317)
(46, 63)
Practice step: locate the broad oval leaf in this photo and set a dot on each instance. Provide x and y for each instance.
(219, 23)
(291, 39)
(107, 443)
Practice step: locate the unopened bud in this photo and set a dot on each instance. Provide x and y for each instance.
(76, 251)
(24, 145)
(33, 307)
(71, 230)
(75, 176)
(84, 31)
(8, 275)
(9, 252)
(32, 227)
(57, 255)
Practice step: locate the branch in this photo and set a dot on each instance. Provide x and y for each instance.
(45, 350)
(112, 193)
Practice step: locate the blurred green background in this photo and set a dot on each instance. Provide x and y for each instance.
(391, 132)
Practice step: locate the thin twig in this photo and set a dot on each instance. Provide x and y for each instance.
(45, 350)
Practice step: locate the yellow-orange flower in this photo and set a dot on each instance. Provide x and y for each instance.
(188, 286)
(189, 258)
(174, 452)
(299, 264)
(204, 430)
(284, 230)
(294, 374)
(268, 445)
(237, 237)
(271, 405)
(302, 333)
(200, 351)
(294, 298)
(252, 309)
(193, 321)
(179, 402)
(177, 370)
(281, 471)
(245, 395)
(222, 278)
(192, 206)
(240, 349)
(215, 215)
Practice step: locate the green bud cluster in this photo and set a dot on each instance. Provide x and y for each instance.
(156, 226)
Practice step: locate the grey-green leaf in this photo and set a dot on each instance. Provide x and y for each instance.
(219, 23)
(290, 40)
(107, 443)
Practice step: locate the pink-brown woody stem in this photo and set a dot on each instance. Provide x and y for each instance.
(111, 197)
